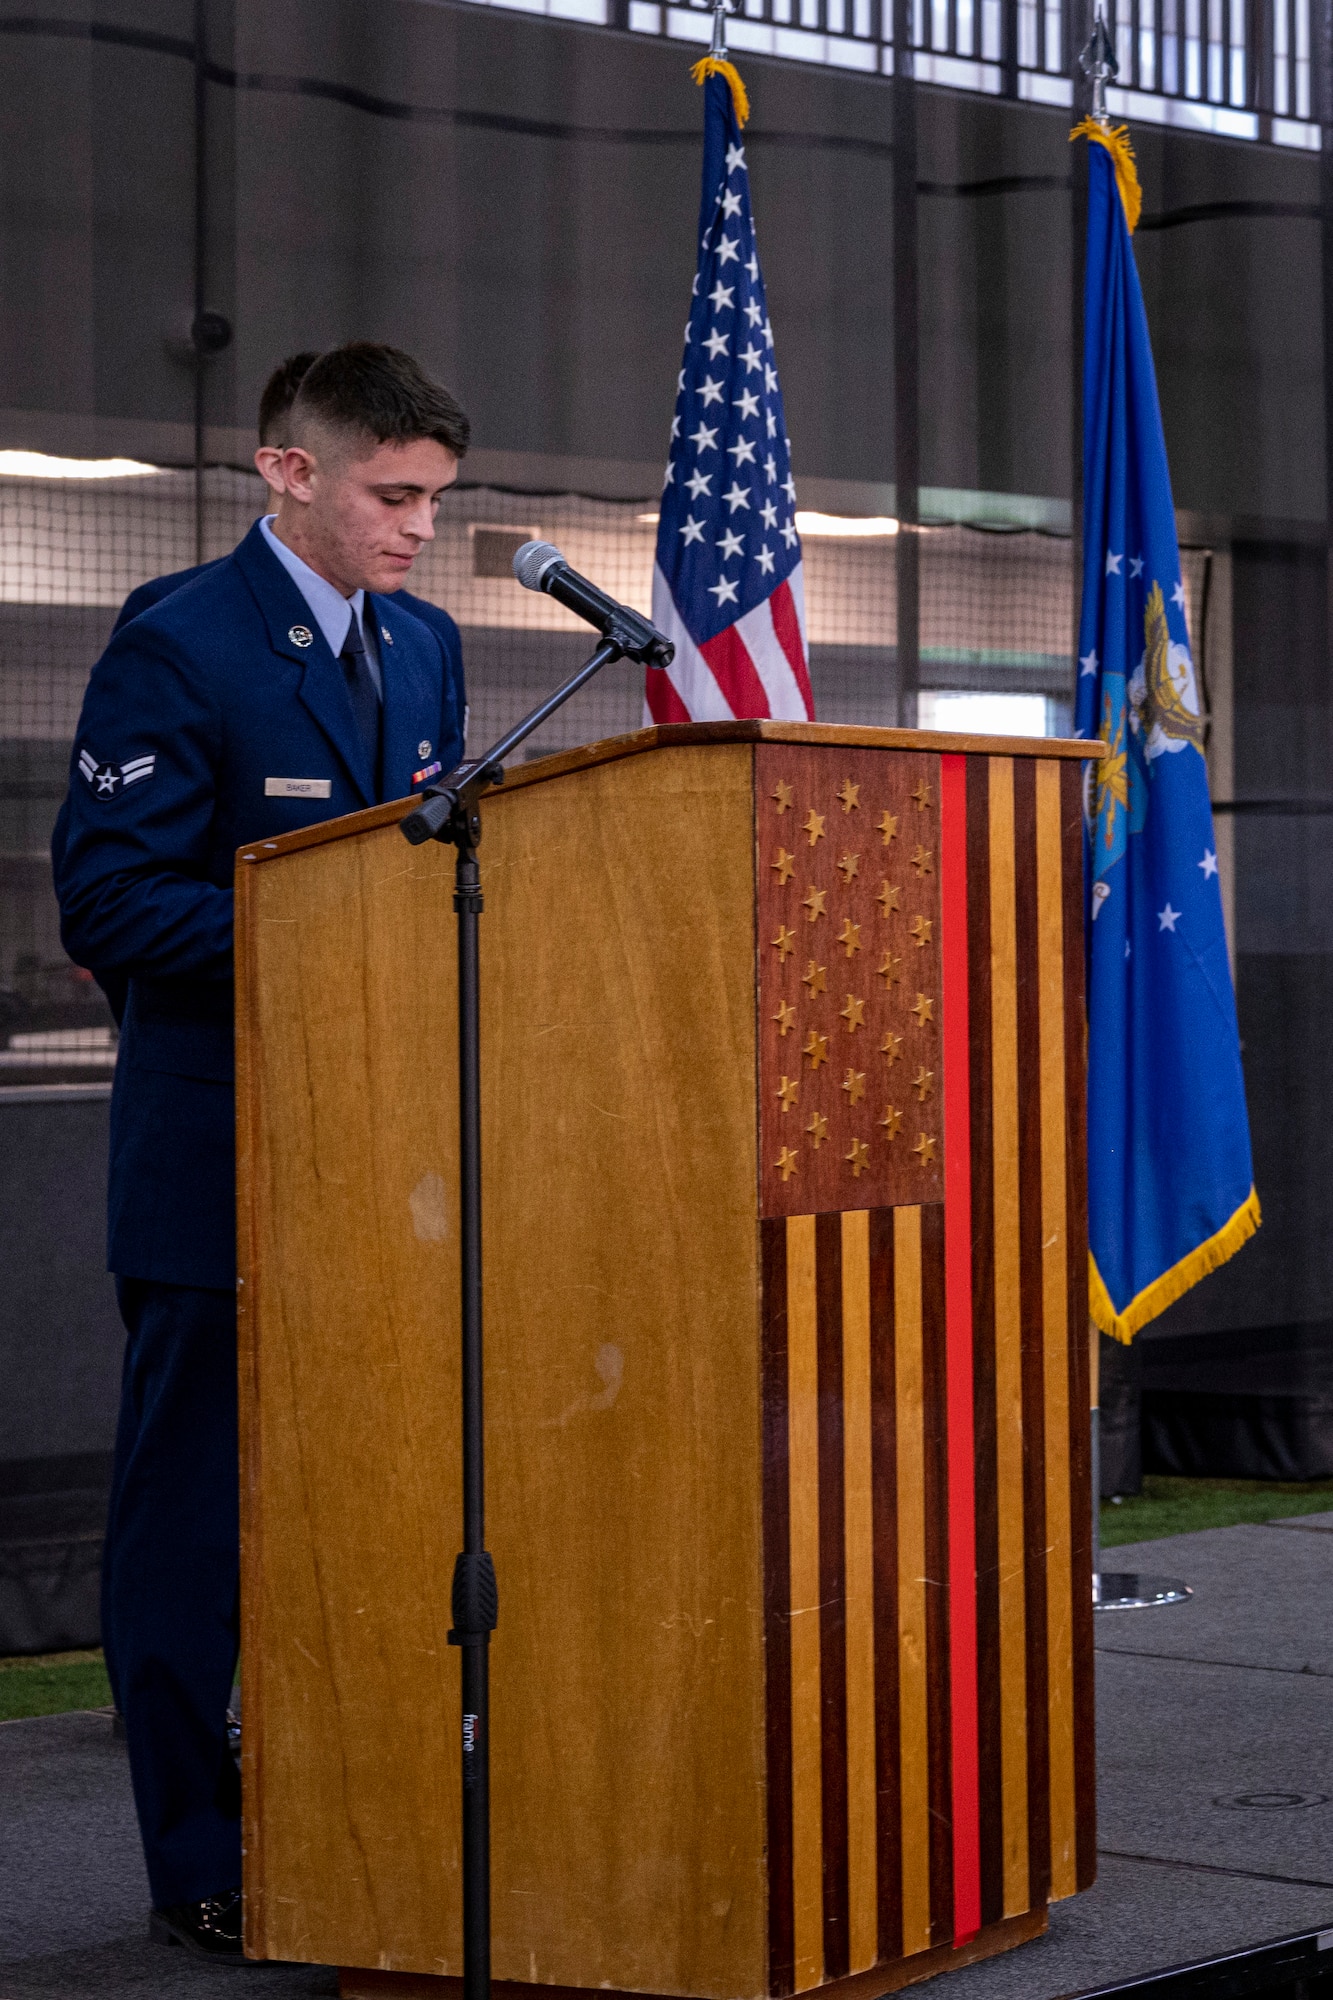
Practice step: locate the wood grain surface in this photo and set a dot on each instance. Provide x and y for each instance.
(737, 1445)
(358, 1985)
(622, 1283)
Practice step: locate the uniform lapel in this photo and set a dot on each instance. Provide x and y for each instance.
(412, 668)
(323, 690)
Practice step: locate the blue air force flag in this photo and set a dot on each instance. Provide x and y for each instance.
(1170, 1182)
(727, 581)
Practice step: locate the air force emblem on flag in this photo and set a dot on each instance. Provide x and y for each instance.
(106, 781)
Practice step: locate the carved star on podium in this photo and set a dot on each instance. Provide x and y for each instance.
(785, 1015)
(784, 867)
(786, 1163)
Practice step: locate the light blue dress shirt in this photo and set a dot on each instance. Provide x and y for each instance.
(331, 611)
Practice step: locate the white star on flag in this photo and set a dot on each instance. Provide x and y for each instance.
(716, 344)
(721, 297)
(764, 558)
(710, 390)
(731, 205)
(1136, 565)
(704, 439)
(1208, 864)
(1088, 662)
(728, 251)
(736, 496)
(1113, 563)
(1178, 595)
(692, 530)
(731, 544)
(724, 592)
(747, 403)
(1167, 919)
(699, 483)
(742, 451)
(735, 158)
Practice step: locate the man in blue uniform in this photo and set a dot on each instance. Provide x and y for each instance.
(282, 686)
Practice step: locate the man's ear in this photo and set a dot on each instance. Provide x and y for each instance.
(295, 472)
(268, 464)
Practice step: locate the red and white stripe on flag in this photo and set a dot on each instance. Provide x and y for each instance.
(756, 668)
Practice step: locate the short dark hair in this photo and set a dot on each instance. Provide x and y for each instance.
(280, 393)
(382, 393)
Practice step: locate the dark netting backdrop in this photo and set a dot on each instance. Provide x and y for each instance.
(995, 619)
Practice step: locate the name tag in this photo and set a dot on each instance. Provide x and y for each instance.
(297, 788)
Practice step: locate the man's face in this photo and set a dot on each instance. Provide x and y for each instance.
(362, 522)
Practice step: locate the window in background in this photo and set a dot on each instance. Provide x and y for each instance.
(992, 714)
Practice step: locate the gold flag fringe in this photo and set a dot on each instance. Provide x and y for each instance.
(715, 66)
(1172, 1284)
(1116, 140)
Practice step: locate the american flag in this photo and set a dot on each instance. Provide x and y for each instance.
(727, 584)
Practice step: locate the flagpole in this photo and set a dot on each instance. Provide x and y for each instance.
(1112, 1590)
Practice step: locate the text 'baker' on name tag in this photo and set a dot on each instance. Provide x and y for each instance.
(297, 788)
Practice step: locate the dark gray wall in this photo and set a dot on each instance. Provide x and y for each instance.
(514, 199)
(60, 1334)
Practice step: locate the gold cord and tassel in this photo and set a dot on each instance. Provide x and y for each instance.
(1116, 140)
(719, 66)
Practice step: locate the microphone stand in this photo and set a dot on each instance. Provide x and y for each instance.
(451, 812)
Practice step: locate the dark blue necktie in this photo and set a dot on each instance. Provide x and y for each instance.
(365, 695)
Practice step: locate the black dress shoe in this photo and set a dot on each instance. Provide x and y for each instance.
(211, 1928)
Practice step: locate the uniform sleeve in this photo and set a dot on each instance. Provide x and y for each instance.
(132, 847)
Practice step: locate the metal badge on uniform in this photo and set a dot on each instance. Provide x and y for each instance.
(298, 788)
(386, 635)
(301, 635)
(105, 780)
(423, 748)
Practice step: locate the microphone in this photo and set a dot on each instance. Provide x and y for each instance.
(540, 566)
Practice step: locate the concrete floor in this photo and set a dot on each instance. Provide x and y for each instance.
(1215, 1757)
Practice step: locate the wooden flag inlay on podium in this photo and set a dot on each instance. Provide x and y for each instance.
(929, 1773)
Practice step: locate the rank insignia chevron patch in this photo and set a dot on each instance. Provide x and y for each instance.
(106, 780)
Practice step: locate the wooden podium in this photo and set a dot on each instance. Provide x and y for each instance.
(786, 1321)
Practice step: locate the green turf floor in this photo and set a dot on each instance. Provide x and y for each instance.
(1181, 1506)
(51, 1684)
(57, 1682)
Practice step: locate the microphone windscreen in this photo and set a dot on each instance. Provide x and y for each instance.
(532, 561)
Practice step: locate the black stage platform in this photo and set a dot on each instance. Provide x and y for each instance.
(1215, 1724)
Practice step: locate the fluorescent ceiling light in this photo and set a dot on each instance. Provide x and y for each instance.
(39, 465)
(845, 526)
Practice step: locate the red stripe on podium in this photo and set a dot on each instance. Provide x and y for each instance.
(958, 1323)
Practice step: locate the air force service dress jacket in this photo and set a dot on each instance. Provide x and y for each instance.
(218, 717)
(146, 595)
